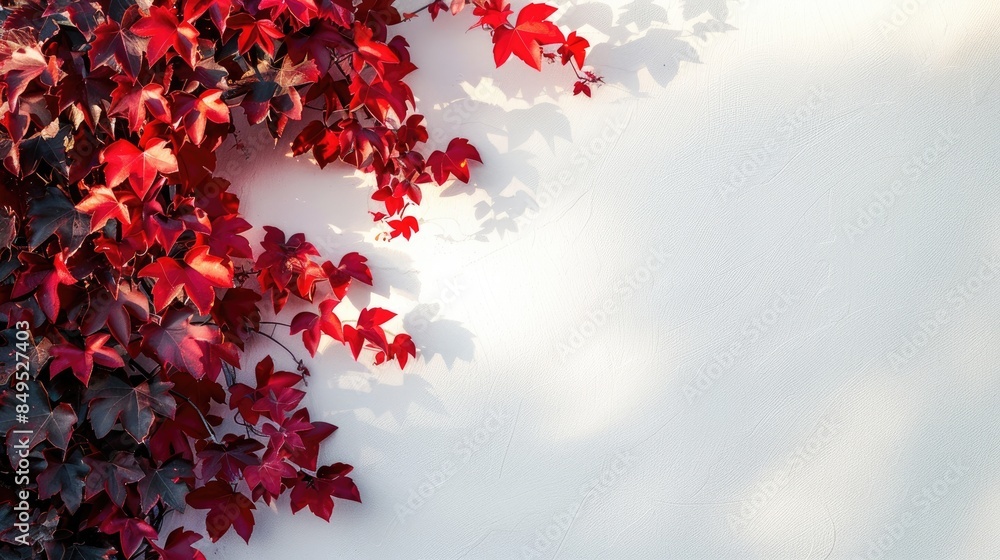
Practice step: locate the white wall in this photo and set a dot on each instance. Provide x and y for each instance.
(673, 429)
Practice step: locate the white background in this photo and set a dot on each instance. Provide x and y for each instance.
(687, 318)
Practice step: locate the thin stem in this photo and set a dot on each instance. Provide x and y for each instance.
(279, 343)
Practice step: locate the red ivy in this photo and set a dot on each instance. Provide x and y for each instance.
(128, 289)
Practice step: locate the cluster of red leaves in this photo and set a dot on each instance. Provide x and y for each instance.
(124, 257)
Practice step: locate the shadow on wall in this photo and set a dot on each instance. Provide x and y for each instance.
(501, 117)
(506, 110)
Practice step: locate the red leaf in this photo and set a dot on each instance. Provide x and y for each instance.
(228, 459)
(195, 112)
(133, 100)
(176, 342)
(526, 38)
(125, 161)
(274, 395)
(313, 326)
(115, 311)
(453, 161)
(117, 43)
(165, 32)
(81, 361)
(405, 227)
(575, 48)
(217, 9)
(23, 66)
(492, 14)
(198, 276)
(302, 10)
(131, 532)
(269, 473)
(111, 399)
(102, 205)
(178, 546)
(318, 492)
(250, 31)
(226, 508)
(375, 53)
(581, 87)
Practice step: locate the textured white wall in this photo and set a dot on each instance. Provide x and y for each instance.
(798, 351)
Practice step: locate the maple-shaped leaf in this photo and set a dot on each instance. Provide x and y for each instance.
(46, 423)
(226, 460)
(317, 492)
(250, 31)
(218, 10)
(134, 100)
(44, 277)
(55, 214)
(63, 477)
(226, 239)
(165, 32)
(525, 39)
(195, 112)
(402, 348)
(197, 275)
(269, 472)
(352, 265)
(405, 226)
(274, 395)
(111, 476)
(575, 49)
(115, 311)
(166, 484)
(381, 98)
(82, 360)
(176, 342)
(114, 42)
(453, 161)
(283, 260)
(581, 87)
(302, 10)
(126, 161)
(24, 65)
(112, 399)
(130, 530)
(237, 312)
(226, 508)
(375, 53)
(275, 89)
(102, 205)
(313, 326)
(306, 455)
(492, 14)
(369, 329)
(178, 546)
(319, 43)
